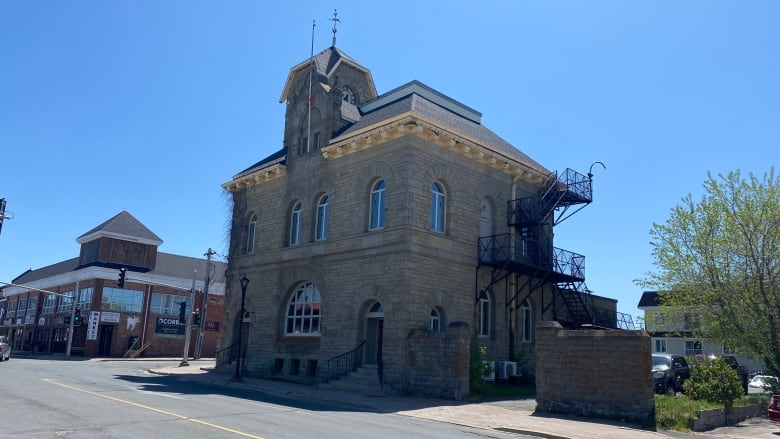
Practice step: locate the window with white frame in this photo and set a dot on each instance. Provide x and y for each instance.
(377, 213)
(527, 319)
(21, 307)
(32, 303)
(728, 349)
(85, 299)
(168, 304)
(322, 219)
(483, 316)
(304, 311)
(659, 345)
(11, 308)
(295, 223)
(693, 347)
(66, 301)
(435, 321)
(49, 302)
(437, 208)
(250, 235)
(115, 299)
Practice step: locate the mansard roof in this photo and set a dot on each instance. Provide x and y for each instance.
(122, 226)
(167, 264)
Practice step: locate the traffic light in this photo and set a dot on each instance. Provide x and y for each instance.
(77, 317)
(182, 313)
(121, 281)
(196, 317)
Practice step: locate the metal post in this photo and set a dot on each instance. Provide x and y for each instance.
(72, 315)
(187, 331)
(244, 283)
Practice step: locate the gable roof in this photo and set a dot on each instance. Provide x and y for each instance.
(648, 299)
(122, 226)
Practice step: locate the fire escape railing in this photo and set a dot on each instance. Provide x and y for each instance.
(500, 249)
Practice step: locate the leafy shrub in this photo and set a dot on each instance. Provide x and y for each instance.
(713, 380)
(477, 369)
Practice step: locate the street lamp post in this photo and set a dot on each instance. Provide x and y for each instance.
(244, 284)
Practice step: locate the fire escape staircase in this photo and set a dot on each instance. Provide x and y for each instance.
(527, 253)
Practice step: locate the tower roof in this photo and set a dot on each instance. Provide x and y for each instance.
(122, 226)
(325, 64)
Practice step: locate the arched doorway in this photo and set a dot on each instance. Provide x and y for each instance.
(374, 331)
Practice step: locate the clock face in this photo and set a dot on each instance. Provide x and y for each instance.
(348, 95)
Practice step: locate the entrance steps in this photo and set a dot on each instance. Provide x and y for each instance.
(365, 380)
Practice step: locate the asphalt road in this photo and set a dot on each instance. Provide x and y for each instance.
(48, 398)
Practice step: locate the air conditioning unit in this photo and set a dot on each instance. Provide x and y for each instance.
(507, 369)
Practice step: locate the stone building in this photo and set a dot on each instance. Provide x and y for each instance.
(388, 231)
(140, 317)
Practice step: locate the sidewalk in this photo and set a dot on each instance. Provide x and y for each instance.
(514, 415)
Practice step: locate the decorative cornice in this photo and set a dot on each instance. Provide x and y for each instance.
(413, 124)
(254, 177)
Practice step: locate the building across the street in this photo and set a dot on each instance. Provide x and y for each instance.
(389, 232)
(121, 297)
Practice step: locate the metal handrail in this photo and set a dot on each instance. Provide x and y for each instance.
(226, 355)
(342, 364)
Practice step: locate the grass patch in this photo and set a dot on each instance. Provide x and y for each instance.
(504, 391)
(677, 412)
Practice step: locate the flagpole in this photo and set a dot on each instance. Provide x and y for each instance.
(309, 99)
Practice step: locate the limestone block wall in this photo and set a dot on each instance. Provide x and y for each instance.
(595, 373)
(438, 362)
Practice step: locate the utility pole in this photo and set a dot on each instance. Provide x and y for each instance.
(72, 316)
(185, 357)
(205, 305)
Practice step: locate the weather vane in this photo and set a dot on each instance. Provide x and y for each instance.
(334, 20)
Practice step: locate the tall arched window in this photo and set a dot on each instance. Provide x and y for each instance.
(483, 316)
(250, 234)
(435, 321)
(437, 208)
(527, 319)
(295, 224)
(322, 219)
(486, 218)
(377, 214)
(304, 312)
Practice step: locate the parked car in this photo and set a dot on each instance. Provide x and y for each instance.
(761, 381)
(741, 371)
(774, 409)
(669, 373)
(5, 348)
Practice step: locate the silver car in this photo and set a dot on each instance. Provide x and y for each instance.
(5, 348)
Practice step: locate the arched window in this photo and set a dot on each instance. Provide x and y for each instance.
(322, 219)
(483, 315)
(527, 319)
(295, 224)
(250, 235)
(435, 322)
(437, 208)
(304, 312)
(486, 218)
(377, 214)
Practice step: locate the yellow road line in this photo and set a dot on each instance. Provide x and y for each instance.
(146, 407)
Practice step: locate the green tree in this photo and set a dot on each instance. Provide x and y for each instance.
(718, 257)
(713, 381)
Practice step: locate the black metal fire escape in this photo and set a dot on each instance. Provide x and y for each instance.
(527, 252)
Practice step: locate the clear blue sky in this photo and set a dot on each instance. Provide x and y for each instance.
(149, 106)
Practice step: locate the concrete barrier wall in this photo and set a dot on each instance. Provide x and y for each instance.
(594, 373)
(709, 419)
